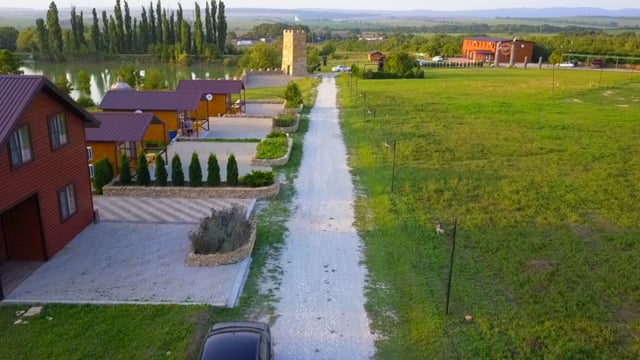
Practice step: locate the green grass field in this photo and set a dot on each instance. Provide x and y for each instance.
(542, 171)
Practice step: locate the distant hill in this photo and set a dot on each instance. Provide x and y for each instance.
(287, 15)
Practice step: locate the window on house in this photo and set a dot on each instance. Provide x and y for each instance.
(67, 200)
(128, 148)
(92, 171)
(89, 153)
(58, 130)
(20, 146)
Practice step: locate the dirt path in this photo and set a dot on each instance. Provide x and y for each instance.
(321, 307)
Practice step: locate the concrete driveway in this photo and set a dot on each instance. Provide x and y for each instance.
(136, 255)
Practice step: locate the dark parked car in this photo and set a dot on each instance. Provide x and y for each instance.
(238, 340)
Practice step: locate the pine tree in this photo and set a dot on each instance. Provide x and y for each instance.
(158, 24)
(166, 40)
(103, 174)
(142, 170)
(177, 174)
(161, 172)
(213, 171)
(195, 171)
(125, 170)
(232, 170)
(80, 24)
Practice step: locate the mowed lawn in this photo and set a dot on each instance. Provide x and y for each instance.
(542, 170)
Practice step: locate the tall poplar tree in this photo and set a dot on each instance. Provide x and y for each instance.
(128, 31)
(185, 40)
(113, 41)
(208, 34)
(179, 18)
(42, 39)
(144, 31)
(222, 28)
(152, 25)
(158, 24)
(75, 42)
(166, 40)
(197, 32)
(106, 34)
(80, 24)
(95, 31)
(55, 31)
(120, 42)
(214, 23)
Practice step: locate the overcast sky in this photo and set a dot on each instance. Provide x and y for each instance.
(344, 4)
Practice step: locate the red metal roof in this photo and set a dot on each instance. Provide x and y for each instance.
(16, 94)
(116, 126)
(212, 86)
(150, 100)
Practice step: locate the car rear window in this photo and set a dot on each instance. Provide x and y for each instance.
(237, 346)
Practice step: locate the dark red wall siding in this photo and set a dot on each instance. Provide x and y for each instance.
(49, 172)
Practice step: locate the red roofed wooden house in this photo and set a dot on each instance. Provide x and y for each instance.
(129, 133)
(216, 96)
(171, 107)
(46, 198)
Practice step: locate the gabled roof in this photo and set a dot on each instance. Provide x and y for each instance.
(150, 100)
(18, 91)
(211, 86)
(116, 126)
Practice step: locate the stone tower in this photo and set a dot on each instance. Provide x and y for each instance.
(294, 52)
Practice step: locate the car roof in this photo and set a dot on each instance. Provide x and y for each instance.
(237, 345)
(235, 340)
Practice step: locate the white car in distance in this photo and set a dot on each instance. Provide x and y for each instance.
(341, 68)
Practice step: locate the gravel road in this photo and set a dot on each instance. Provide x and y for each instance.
(321, 302)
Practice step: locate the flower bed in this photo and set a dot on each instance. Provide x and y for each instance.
(231, 257)
(274, 162)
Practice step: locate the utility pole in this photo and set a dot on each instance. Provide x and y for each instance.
(453, 250)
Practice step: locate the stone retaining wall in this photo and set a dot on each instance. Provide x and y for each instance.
(222, 192)
(274, 162)
(287, 129)
(224, 258)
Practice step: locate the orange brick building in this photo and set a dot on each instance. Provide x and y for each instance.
(484, 49)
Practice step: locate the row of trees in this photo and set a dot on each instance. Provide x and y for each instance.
(586, 42)
(167, 34)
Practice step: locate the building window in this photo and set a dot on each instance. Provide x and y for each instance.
(92, 171)
(90, 153)
(20, 147)
(58, 130)
(128, 148)
(67, 200)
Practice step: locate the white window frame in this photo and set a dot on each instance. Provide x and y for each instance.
(92, 171)
(58, 130)
(20, 147)
(67, 202)
(90, 153)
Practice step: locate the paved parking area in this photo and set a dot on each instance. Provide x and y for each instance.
(233, 127)
(115, 263)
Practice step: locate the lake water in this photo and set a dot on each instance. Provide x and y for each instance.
(103, 74)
